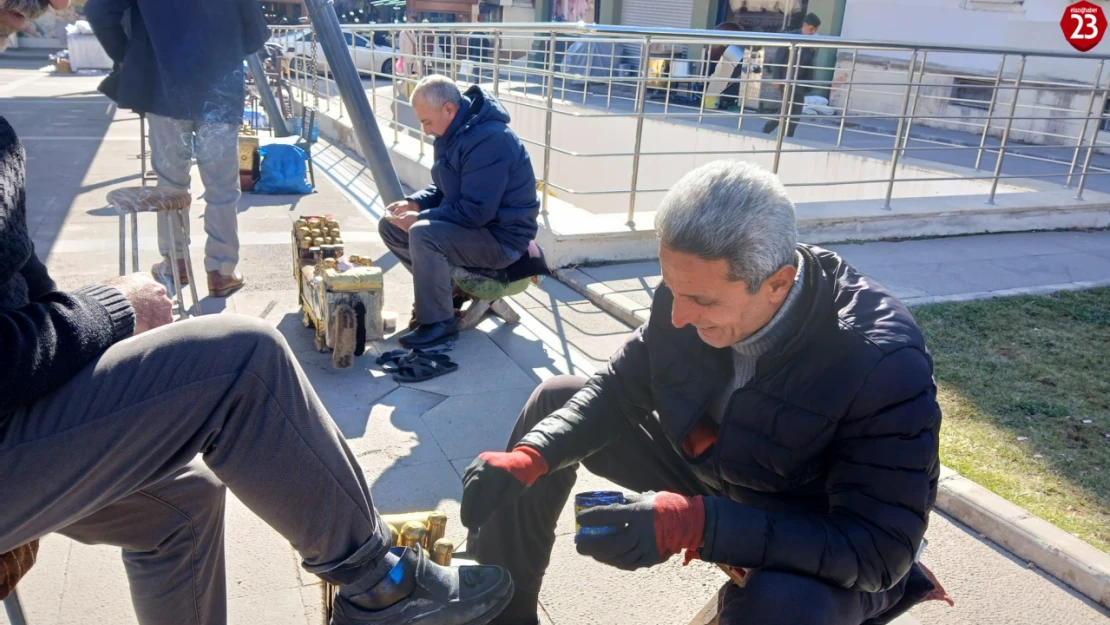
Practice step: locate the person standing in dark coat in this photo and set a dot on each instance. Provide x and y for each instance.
(180, 62)
(804, 63)
(776, 413)
(480, 210)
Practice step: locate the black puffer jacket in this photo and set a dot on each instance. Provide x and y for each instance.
(826, 463)
(483, 175)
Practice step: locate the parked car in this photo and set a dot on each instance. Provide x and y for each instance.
(369, 57)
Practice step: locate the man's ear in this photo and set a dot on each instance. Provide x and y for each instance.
(778, 285)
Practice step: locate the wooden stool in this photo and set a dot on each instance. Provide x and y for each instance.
(135, 200)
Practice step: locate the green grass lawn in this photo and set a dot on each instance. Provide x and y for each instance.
(1025, 389)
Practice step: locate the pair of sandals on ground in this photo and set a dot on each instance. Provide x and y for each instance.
(420, 364)
(417, 365)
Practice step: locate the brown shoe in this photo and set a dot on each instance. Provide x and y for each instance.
(220, 285)
(163, 273)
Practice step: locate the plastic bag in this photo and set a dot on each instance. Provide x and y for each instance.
(282, 171)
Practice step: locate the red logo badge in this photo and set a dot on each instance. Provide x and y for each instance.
(1083, 24)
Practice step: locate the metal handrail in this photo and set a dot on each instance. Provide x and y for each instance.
(544, 83)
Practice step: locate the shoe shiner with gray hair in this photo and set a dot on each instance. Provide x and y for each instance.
(479, 212)
(775, 415)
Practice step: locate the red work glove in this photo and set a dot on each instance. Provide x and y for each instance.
(652, 528)
(496, 478)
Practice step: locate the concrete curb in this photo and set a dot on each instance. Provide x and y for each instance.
(1027, 536)
(1026, 290)
(1058, 553)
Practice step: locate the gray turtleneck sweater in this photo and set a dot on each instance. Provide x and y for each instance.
(748, 351)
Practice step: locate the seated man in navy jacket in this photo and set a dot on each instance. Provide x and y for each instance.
(780, 405)
(480, 210)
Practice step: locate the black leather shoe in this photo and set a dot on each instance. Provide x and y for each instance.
(420, 592)
(430, 334)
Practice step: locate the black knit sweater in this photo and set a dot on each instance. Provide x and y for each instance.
(46, 336)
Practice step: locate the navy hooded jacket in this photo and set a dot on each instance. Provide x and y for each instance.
(179, 58)
(482, 175)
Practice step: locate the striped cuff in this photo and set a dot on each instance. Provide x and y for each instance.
(119, 309)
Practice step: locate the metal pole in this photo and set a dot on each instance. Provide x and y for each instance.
(1086, 122)
(547, 122)
(330, 36)
(913, 106)
(273, 111)
(847, 98)
(14, 608)
(1090, 150)
(990, 112)
(1006, 130)
(455, 57)
(898, 133)
(641, 95)
(497, 64)
(786, 106)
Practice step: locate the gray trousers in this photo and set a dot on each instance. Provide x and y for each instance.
(430, 249)
(112, 458)
(217, 152)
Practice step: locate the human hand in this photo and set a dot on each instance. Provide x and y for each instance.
(148, 298)
(495, 479)
(404, 220)
(402, 206)
(651, 528)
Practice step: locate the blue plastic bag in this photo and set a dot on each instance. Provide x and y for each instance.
(282, 171)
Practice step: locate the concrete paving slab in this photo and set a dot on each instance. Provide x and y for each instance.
(279, 606)
(597, 333)
(581, 591)
(401, 436)
(43, 588)
(96, 583)
(261, 561)
(483, 367)
(627, 276)
(466, 425)
(551, 293)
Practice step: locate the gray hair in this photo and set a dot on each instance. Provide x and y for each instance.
(734, 211)
(438, 90)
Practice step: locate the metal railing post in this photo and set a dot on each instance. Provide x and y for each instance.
(1090, 150)
(641, 95)
(1086, 122)
(612, 74)
(497, 64)
(668, 77)
(397, 94)
(455, 57)
(990, 113)
(1006, 130)
(787, 104)
(269, 102)
(847, 98)
(745, 77)
(330, 36)
(547, 121)
(898, 132)
(589, 63)
(913, 105)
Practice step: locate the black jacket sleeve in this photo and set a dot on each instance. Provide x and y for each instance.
(597, 414)
(48, 341)
(106, 19)
(881, 481)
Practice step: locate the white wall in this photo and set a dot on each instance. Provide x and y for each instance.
(1031, 26)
